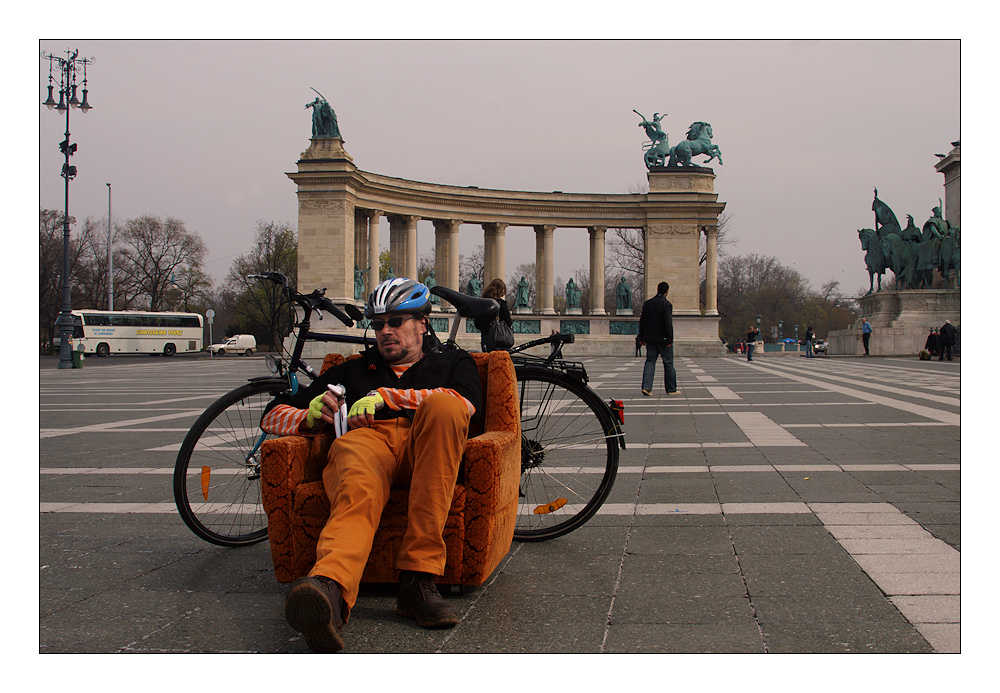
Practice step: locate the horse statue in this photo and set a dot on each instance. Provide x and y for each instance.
(657, 150)
(874, 257)
(699, 141)
(951, 254)
(901, 259)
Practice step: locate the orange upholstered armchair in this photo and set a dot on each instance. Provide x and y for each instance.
(480, 525)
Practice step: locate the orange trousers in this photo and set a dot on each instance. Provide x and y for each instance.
(365, 463)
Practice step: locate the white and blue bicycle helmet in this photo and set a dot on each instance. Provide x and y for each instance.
(399, 295)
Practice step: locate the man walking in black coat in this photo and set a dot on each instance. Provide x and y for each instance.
(948, 333)
(656, 332)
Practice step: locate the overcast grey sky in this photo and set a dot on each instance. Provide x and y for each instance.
(204, 131)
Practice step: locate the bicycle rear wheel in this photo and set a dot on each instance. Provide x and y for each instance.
(217, 473)
(569, 454)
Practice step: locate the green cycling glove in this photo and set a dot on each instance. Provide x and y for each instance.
(368, 404)
(315, 411)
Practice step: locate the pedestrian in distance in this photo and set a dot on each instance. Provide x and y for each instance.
(809, 342)
(497, 290)
(656, 333)
(948, 334)
(866, 333)
(752, 334)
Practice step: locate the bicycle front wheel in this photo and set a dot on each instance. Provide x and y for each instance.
(569, 454)
(217, 473)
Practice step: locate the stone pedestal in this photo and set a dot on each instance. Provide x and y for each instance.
(680, 205)
(326, 229)
(900, 320)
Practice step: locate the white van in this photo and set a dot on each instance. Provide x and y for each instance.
(238, 344)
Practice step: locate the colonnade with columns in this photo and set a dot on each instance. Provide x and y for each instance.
(341, 207)
(403, 256)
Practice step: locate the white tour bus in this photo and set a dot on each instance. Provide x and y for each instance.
(104, 332)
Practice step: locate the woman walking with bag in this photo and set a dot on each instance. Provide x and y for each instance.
(492, 333)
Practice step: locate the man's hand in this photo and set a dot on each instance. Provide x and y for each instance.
(363, 411)
(323, 407)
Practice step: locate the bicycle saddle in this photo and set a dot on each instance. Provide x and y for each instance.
(468, 306)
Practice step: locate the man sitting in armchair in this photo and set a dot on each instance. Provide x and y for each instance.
(408, 422)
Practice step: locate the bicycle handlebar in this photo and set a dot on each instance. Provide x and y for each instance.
(314, 301)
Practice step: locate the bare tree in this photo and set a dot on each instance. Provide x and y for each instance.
(50, 270)
(258, 306)
(153, 253)
(469, 265)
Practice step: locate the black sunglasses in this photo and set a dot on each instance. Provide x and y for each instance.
(395, 322)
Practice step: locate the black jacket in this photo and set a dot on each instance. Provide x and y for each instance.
(656, 322)
(452, 369)
(483, 324)
(948, 332)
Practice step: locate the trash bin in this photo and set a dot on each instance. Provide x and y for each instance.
(78, 357)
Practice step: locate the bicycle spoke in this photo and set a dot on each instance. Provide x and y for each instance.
(218, 493)
(569, 455)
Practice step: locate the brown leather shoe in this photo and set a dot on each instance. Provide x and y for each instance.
(314, 607)
(419, 598)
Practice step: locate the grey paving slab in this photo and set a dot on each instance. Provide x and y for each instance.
(844, 537)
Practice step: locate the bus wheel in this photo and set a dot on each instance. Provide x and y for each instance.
(169, 350)
(103, 349)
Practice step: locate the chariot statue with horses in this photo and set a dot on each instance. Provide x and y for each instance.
(658, 151)
(911, 253)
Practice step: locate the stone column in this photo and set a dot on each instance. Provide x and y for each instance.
(453, 279)
(397, 245)
(360, 245)
(411, 247)
(494, 247)
(544, 274)
(372, 278)
(403, 245)
(597, 270)
(489, 253)
(446, 256)
(711, 270)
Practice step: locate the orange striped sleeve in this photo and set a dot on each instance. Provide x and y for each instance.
(411, 399)
(286, 420)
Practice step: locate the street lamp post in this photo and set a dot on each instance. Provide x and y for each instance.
(68, 68)
(111, 281)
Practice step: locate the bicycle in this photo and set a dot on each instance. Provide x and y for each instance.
(216, 479)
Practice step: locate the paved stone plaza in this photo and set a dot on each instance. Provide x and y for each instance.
(785, 505)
